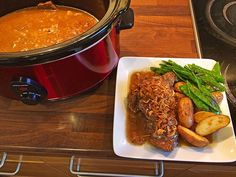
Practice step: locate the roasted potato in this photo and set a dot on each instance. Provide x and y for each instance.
(211, 124)
(185, 112)
(200, 115)
(177, 86)
(218, 96)
(192, 138)
(179, 95)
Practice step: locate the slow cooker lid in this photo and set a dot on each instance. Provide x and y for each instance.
(112, 9)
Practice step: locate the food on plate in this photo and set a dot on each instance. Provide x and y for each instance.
(177, 86)
(200, 115)
(192, 138)
(153, 97)
(42, 26)
(162, 103)
(179, 96)
(217, 96)
(136, 128)
(185, 112)
(212, 124)
(200, 83)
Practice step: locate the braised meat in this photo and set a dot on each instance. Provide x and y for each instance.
(47, 5)
(154, 96)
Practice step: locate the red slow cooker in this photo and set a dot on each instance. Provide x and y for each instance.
(69, 68)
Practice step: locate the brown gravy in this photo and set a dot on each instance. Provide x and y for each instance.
(38, 27)
(135, 122)
(136, 128)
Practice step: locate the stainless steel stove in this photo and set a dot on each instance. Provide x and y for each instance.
(215, 22)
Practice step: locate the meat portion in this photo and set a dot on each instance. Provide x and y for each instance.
(170, 78)
(47, 6)
(154, 96)
(133, 98)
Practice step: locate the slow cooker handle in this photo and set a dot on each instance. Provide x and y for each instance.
(127, 20)
(123, 6)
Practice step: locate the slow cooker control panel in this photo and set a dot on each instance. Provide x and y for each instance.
(29, 91)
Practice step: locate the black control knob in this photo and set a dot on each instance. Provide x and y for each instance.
(28, 90)
(30, 98)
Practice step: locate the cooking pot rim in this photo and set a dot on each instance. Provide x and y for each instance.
(71, 46)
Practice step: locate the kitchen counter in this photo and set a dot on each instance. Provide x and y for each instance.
(83, 125)
(161, 29)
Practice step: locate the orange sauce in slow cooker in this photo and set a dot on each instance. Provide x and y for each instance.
(38, 27)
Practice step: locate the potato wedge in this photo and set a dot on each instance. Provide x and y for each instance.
(200, 115)
(177, 86)
(212, 124)
(192, 138)
(218, 96)
(179, 96)
(185, 112)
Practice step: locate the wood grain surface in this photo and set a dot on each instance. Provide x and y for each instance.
(83, 125)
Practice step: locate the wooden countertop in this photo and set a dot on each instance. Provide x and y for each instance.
(162, 29)
(83, 125)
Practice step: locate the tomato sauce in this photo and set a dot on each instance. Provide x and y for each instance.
(38, 27)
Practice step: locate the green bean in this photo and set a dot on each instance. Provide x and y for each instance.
(179, 70)
(179, 76)
(204, 98)
(199, 104)
(201, 87)
(209, 88)
(211, 81)
(172, 63)
(198, 69)
(216, 68)
(159, 70)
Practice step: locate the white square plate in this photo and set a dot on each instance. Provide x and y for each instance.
(222, 148)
